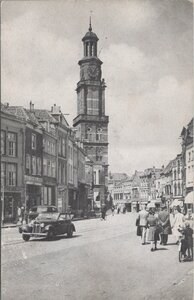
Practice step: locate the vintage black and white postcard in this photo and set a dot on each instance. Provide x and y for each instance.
(97, 154)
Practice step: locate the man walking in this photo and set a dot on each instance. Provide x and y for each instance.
(143, 214)
(164, 222)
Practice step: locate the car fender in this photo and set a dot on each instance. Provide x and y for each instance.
(25, 228)
(49, 227)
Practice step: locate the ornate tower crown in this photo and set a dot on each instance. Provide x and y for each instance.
(90, 42)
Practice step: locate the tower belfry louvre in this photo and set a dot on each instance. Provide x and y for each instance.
(91, 122)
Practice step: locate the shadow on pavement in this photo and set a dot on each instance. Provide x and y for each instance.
(57, 238)
(162, 248)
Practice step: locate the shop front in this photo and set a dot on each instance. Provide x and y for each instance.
(33, 191)
(11, 202)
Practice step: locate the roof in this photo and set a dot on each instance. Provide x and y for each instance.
(44, 115)
(90, 35)
(24, 114)
(118, 176)
(168, 168)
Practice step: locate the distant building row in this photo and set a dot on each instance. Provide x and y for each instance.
(170, 185)
(42, 162)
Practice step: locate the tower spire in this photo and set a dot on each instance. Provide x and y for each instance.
(90, 25)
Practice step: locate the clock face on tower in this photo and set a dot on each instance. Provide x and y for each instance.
(93, 72)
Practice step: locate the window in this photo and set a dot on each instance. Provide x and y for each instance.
(3, 174)
(39, 169)
(63, 174)
(48, 168)
(11, 144)
(53, 169)
(48, 147)
(33, 165)
(49, 196)
(179, 189)
(189, 156)
(178, 166)
(33, 141)
(44, 167)
(94, 177)
(11, 172)
(3, 142)
(63, 147)
(89, 134)
(59, 173)
(174, 174)
(45, 195)
(53, 148)
(28, 164)
(99, 134)
(59, 146)
(175, 189)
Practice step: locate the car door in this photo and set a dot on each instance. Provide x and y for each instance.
(61, 223)
(65, 222)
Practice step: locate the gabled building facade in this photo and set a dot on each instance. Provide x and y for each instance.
(12, 164)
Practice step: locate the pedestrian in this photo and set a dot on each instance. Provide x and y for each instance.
(189, 217)
(19, 214)
(153, 235)
(143, 215)
(22, 214)
(118, 209)
(187, 242)
(103, 212)
(164, 223)
(112, 209)
(177, 223)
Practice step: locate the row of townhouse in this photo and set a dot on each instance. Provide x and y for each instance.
(42, 162)
(172, 185)
(134, 190)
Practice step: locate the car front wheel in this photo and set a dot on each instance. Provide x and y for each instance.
(70, 233)
(51, 234)
(25, 237)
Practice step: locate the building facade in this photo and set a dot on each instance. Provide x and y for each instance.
(12, 164)
(177, 177)
(62, 129)
(91, 122)
(49, 156)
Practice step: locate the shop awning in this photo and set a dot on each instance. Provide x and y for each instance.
(189, 199)
(176, 202)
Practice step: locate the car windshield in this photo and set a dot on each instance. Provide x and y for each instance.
(48, 216)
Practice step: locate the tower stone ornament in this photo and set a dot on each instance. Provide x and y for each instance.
(91, 121)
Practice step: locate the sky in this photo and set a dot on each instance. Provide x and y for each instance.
(146, 49)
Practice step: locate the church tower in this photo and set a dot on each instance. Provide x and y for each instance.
(91, 122)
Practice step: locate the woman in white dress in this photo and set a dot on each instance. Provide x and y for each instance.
(177, 223)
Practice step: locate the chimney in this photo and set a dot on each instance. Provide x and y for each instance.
(31, 106)
(56, 109)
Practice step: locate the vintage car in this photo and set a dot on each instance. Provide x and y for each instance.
(48, 225)
(36, 210)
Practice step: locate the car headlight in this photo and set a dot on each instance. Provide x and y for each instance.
(42, 225)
